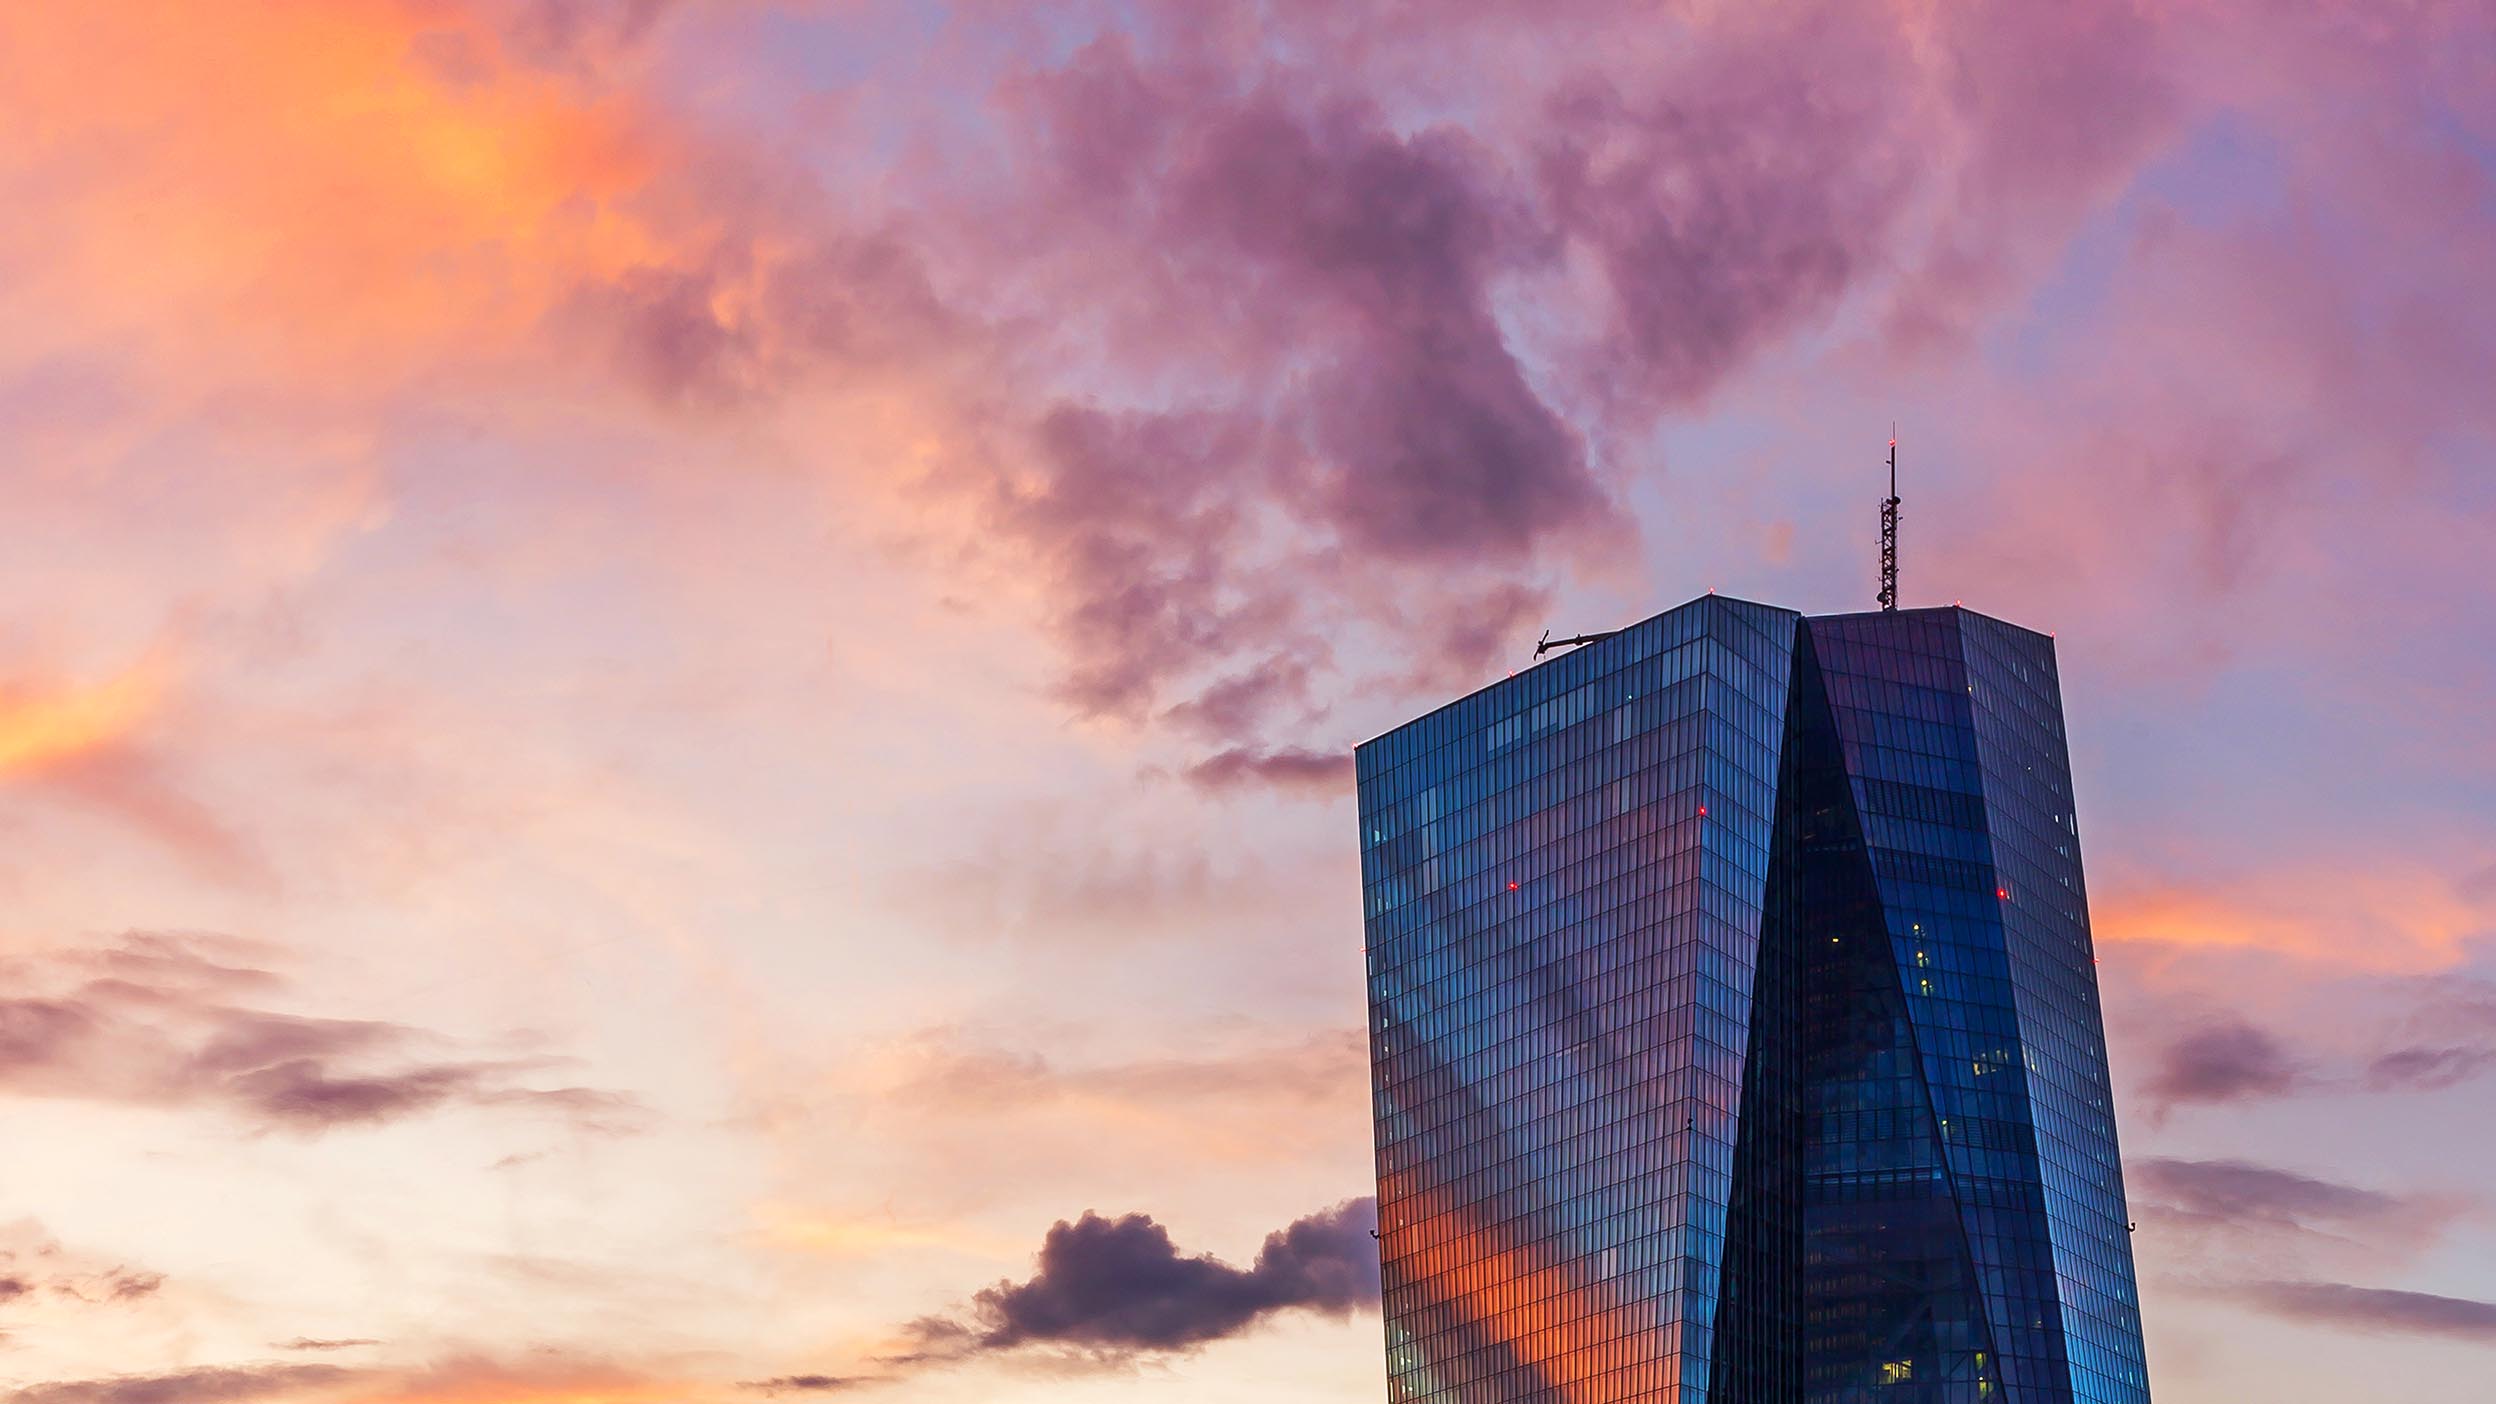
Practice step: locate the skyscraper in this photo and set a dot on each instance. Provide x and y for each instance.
(1734, 1026)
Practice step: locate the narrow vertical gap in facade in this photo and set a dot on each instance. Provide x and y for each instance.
(1759, 1336)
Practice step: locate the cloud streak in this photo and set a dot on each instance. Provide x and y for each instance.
(234, 1384)
(151, 1019)
(35, 1267)
(2244, 1197)
(2432, 1034)
(545, 1376)
(1326, 773)
(2372, 1310)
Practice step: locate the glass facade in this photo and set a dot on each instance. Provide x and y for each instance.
(1734, 1026)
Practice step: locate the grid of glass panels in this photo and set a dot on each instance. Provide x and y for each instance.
(1734, 1026)
(1563, 882)
(1892, 1309)
(2015, 695)
(1960, 802)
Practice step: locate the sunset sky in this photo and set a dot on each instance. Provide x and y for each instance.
(673, 673)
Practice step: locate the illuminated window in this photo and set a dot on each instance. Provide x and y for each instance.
(1897, 1371)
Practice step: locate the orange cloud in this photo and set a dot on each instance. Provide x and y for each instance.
(557, 1380)
(46, 724)
(90, 742)
(2393, 919)
(330, 184)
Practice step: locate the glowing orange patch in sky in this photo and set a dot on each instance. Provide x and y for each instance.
(351, 179)
(2388, 919)
(491, 1384)
(46, 724)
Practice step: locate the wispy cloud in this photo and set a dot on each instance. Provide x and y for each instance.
(233, 1384)
(153, 1018)
(2399, 1034)
(546, 1376)
(1324, 773)
(811, 1384)
(98, 745)
(2244, 1196)
(34, 1265)
(2374, 1310)
(2448, 1038)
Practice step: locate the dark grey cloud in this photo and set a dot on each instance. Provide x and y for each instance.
(1730, 202)
(1323, 284)
(1119, 1287)
(1137, 518)
(1352, 263)
(154, 1018)
(810, 1384)
(2372, 1309)
(2225, 1061)
(2428, 1035)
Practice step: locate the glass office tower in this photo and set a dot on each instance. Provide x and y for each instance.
(1734, 1026)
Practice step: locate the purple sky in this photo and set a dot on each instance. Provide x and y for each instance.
(677, 684)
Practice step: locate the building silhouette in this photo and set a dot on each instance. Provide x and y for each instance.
(1734, 1027)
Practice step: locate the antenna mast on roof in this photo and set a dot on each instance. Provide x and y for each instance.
(1889, 530)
